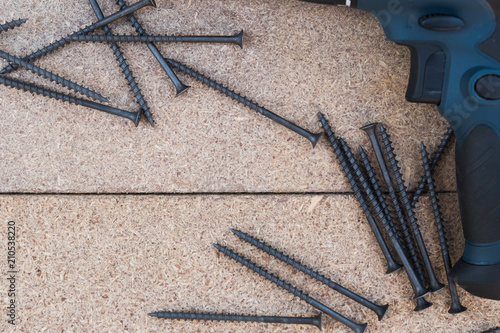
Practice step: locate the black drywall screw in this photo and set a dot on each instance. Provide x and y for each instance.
(418, 287)
(359, 328)
(124, 66)
(422, 304)
(11, 25)
(493, 330)
(63, 42)
(392, 265)
(53, 77)
(435, 160)
(455, 307)
(380, 310)
(312, 137)
(133, 116)
(315, 321)
(179, 86)
(434, 284)
(407, 237)
(236, 39)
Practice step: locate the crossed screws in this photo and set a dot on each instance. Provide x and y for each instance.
(82, 35)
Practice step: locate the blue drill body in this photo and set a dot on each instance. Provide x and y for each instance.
(455, 51)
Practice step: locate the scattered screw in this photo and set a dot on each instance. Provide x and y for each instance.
(179, 86)
(435, 160)
(133, 116)
(11, 25)
(359, 328)
(315, 321)
(53, 77)
(408, 240)
(379, 310)
(456, 307)
(312, 137)
(63, 42)
(392, 266)
(236, 39)
(124, 66)
(434, 284)
(493, 330)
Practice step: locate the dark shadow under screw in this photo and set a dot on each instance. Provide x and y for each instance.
(124, 66)
(133, 116)
(11, 25)
(312, 137)
(314, 321)
(455, 307)
(358, 328)
(380, 310)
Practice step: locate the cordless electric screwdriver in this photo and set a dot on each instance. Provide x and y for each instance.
(455, 64)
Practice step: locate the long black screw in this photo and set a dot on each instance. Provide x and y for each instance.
(386, 218)
(53, 77)
(407, 238)
(358, 328)
(434, 284)
(236, 39)
(133, 116)
(11, 25)
(124, 66)
(455, 307)
(435, 160)
(312, 137)
(392, 265)
(63, 41)
(179, 86)
(380, 310)
(314, 321)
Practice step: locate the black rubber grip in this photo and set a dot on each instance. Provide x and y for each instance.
(478, 181)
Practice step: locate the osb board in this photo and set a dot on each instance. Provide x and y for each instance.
(298, 59)
(101, 263)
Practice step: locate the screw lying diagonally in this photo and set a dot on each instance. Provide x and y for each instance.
(124, 66)
(392, 265)
(179, 86)
(455, 307)
(236, 39)
(53, 77)
(385, 216)
(358, 328)
(435, 160)
(11, 25)
(133, 116)
(314, 321)
(434, 284)
(380, 310)
(63, 42)
(312, 137)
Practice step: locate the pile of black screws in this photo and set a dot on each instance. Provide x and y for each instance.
(83, 35)
(379, 310)
(398, 220)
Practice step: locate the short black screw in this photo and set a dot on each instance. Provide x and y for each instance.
(408, 240)
(124, 66)
(314, 321)
(179, 86)
(11, 25)
(312, 137)
(435, 160)
(133, 116)
(434, 284)
(392, 265)
(236, 39)
(417, 285)
(456, 307)
(63, 42)
(359, 328)
(53, 77)
(380, 310)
